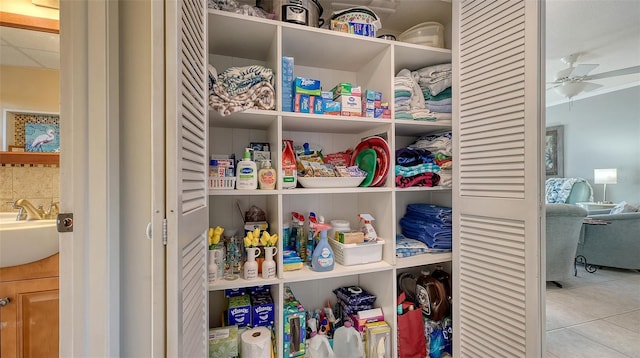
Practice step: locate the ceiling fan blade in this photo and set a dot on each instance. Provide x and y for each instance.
(582, 70)
(589, 86)
(614, 73)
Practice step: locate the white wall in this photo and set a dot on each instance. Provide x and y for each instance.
(603, 132)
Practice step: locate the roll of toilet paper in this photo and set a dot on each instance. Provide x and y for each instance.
(256, 343)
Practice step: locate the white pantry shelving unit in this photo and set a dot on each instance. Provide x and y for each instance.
(332, 57)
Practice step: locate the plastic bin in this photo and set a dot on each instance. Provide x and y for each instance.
(222, 182)
(425, 34)
(354, 254)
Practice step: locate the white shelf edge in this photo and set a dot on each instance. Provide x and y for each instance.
(307, 274)
(308, 191)
(423, 188)
(425, 259)
(223, 284)
(358, 190)
(242, 17)
(241, 192)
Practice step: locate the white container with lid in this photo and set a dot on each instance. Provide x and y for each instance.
(425, 34)
(338, 226)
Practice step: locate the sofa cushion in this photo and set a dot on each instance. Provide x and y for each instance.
(623, 207)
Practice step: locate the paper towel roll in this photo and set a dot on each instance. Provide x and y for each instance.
(256, 343)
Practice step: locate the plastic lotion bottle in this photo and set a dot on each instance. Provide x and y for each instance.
(322, 258)
(267, 176)
(347, 342)
(247, 172)
(289, 165)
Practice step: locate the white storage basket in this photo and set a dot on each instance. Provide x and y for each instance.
(354, 254)
(222, 182)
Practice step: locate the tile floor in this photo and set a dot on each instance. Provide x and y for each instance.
(594, 315)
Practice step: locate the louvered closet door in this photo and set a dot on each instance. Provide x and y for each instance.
(187, 170)
(496, 196)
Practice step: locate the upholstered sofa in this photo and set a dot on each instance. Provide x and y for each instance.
(616, 244)
(563, 224)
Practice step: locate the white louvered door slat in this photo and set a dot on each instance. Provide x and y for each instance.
(187, 168)
(496, 194)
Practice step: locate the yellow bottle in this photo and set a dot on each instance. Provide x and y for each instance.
(267, 176)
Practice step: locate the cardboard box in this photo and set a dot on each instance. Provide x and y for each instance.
(308, 86)
(317, 104)
(331, 107)
(239, 310)
(360, 319)
(301, 103)
(232, 292)
(351, 105)
(287, 84)
(361, 29)
(223, 342)
(342, 88)
(295, 326)
(377, 335)
(350, 237)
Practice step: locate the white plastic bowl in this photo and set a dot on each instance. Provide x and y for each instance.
(330, 182)
(425, 34)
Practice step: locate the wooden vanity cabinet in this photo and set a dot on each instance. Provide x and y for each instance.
(29, 323)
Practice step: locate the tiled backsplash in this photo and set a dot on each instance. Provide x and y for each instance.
(38, 184)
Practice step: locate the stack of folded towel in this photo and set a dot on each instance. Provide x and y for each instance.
(441, 146)
(428, 223)
(416, 167)
(406, 247)
(409, 101)
(435, 86)
(240, 88)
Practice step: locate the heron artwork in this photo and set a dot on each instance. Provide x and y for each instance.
(46, 142)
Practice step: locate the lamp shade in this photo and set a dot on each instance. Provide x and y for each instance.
(605, 176)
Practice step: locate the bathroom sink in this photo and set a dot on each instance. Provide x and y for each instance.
(22, 242)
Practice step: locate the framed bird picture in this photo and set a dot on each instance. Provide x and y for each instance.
(41, 137)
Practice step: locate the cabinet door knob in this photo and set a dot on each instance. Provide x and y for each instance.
(4, 301)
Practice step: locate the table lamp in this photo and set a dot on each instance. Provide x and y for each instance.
(605, 176)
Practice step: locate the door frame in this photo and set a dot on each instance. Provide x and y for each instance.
(89, 172)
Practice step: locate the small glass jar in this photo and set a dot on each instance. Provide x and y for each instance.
(233, 255)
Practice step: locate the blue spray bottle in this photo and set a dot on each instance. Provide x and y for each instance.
(322, 258)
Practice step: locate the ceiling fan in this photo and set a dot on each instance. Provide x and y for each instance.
(573, 80)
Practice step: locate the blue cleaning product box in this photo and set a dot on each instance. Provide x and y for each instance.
(287, 84)
(308, 86)
(239, 310)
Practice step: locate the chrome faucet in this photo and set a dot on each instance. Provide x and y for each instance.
(32, 212)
